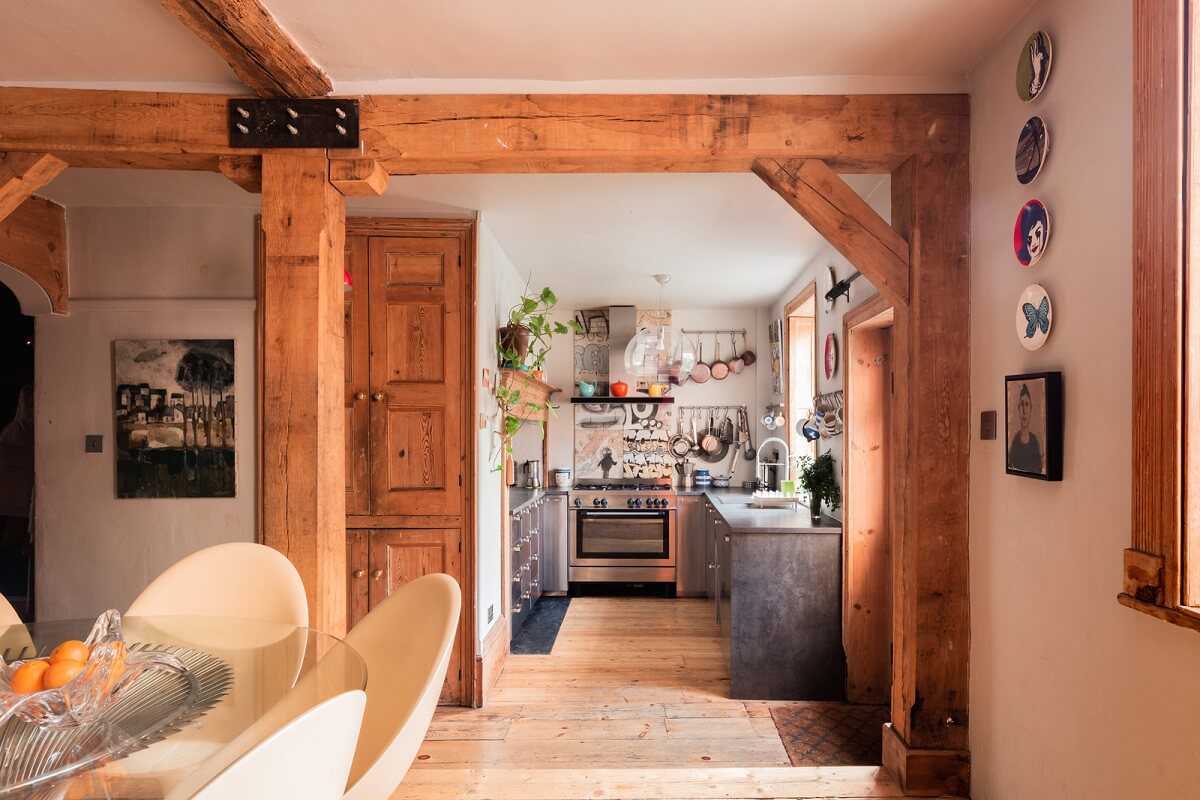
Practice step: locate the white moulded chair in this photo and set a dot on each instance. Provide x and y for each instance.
(8, 614)
(406, 642)
(307, 759)
(239, 579)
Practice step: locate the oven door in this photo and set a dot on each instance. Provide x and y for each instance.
(623, 538)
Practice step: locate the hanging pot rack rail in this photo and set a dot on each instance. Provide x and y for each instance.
(701, 332)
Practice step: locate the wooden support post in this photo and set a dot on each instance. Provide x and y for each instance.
(33, 240)
(303, 436)
(22, 174)
(926, 744)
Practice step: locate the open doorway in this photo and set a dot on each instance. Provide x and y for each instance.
(16, 454)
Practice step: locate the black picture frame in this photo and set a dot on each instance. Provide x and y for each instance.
(1042, 431)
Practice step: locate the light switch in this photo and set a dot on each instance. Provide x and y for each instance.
(93, 443)
(987, 425)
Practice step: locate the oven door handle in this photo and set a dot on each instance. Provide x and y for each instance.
(624, 514)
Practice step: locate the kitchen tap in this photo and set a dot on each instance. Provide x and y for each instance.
(760, 465)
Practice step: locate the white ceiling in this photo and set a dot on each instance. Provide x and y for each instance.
(468, 45)
(727, 240)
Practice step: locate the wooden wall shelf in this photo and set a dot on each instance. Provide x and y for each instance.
(532, 391)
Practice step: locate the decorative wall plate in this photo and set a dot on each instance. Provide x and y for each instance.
(1033, 66)
(1032, 147)
(831, 356)
(1031, 233)
(1035, 317)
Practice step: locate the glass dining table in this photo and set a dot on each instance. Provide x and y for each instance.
(168, 734)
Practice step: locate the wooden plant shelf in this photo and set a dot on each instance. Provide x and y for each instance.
(532, 391)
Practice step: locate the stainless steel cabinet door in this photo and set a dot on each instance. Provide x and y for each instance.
(554, 543)
(691, 564)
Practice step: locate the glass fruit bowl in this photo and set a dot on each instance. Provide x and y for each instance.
(110, 669)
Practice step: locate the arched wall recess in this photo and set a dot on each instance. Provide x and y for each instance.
(33, 249)
(32, 296)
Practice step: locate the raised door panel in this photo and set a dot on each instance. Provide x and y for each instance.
(357, 379)
(417, 365)
(400, 556)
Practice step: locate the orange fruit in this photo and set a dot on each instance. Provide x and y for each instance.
(61, 673)
(70, 650)
(27, 678)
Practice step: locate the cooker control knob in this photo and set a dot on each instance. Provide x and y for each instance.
(639, 502)
(664, 503)
(629, 502)
(650, 503)
(596, 502)
(578, 502)
(603, 503)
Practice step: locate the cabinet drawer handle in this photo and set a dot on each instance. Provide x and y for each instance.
(360, 395)
(712, 566)
(377, 397)
(537, 583)
(525, 595)
(517, 578)
(727, 537)
(517, 547)
(358, 573)
(376, 574)
(516, 609)
(533, 557)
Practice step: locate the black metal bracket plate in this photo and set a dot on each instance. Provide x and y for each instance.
(293, 123)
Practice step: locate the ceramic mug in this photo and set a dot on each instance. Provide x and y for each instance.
(657, 390)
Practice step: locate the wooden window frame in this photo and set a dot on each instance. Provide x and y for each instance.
(1162, 564)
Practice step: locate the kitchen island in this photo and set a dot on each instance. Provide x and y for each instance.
(774, 577)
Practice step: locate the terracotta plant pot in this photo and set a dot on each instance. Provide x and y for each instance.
(515, 337)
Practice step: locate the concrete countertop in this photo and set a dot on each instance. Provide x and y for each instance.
(732, 505)
(519, 498)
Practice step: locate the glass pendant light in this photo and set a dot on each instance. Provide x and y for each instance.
(658, 354)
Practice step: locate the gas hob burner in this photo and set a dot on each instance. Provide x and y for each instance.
(625, 485)
(626, 494)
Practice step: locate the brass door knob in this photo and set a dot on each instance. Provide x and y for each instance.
(378, 396)
(358, 573)
(360, 395)
(376, 574)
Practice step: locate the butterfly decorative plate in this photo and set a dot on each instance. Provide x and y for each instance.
(1035, 317)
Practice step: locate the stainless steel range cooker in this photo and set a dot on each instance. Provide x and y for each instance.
(623, 531)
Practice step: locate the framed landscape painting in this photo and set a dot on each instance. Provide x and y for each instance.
(176, 426)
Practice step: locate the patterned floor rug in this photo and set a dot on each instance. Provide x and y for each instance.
(831, 734)
(537, 635)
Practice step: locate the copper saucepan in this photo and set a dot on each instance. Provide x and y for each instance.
(720, 370)
(748, 356)
(701, 372)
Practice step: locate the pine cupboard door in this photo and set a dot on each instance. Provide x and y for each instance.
(357, 378)
(417, 367)
(398, 556)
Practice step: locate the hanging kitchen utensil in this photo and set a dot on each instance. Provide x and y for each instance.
(727, 430)
(701, 372)
(748, 356)
(679, 445)
(709, 442)
(750, 454)
(720, 370)
(736, 364)
(678, 376)
(695, 434)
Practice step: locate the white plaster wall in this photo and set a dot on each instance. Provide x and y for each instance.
(1072, 695)
(734, 391)
(817, 269)
(161, 273)
(498, 287)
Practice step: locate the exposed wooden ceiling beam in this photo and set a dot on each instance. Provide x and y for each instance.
(33, 240)
(248, 38)
(245, 171)
(361, 177)
(846, 221)
(519, 133)
(22, 174)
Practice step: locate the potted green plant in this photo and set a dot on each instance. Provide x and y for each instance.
(818, 479)
(524, 341)
(523, 344)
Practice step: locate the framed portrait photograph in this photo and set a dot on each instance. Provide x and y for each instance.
(1033, 425)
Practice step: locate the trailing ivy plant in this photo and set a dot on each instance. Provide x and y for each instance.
(817, 477)
(529, 315)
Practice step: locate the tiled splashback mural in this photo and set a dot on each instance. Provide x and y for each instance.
(622, 440)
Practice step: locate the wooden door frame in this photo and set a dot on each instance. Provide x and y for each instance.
(875, 312)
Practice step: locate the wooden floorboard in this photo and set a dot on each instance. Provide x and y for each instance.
(633, 703)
